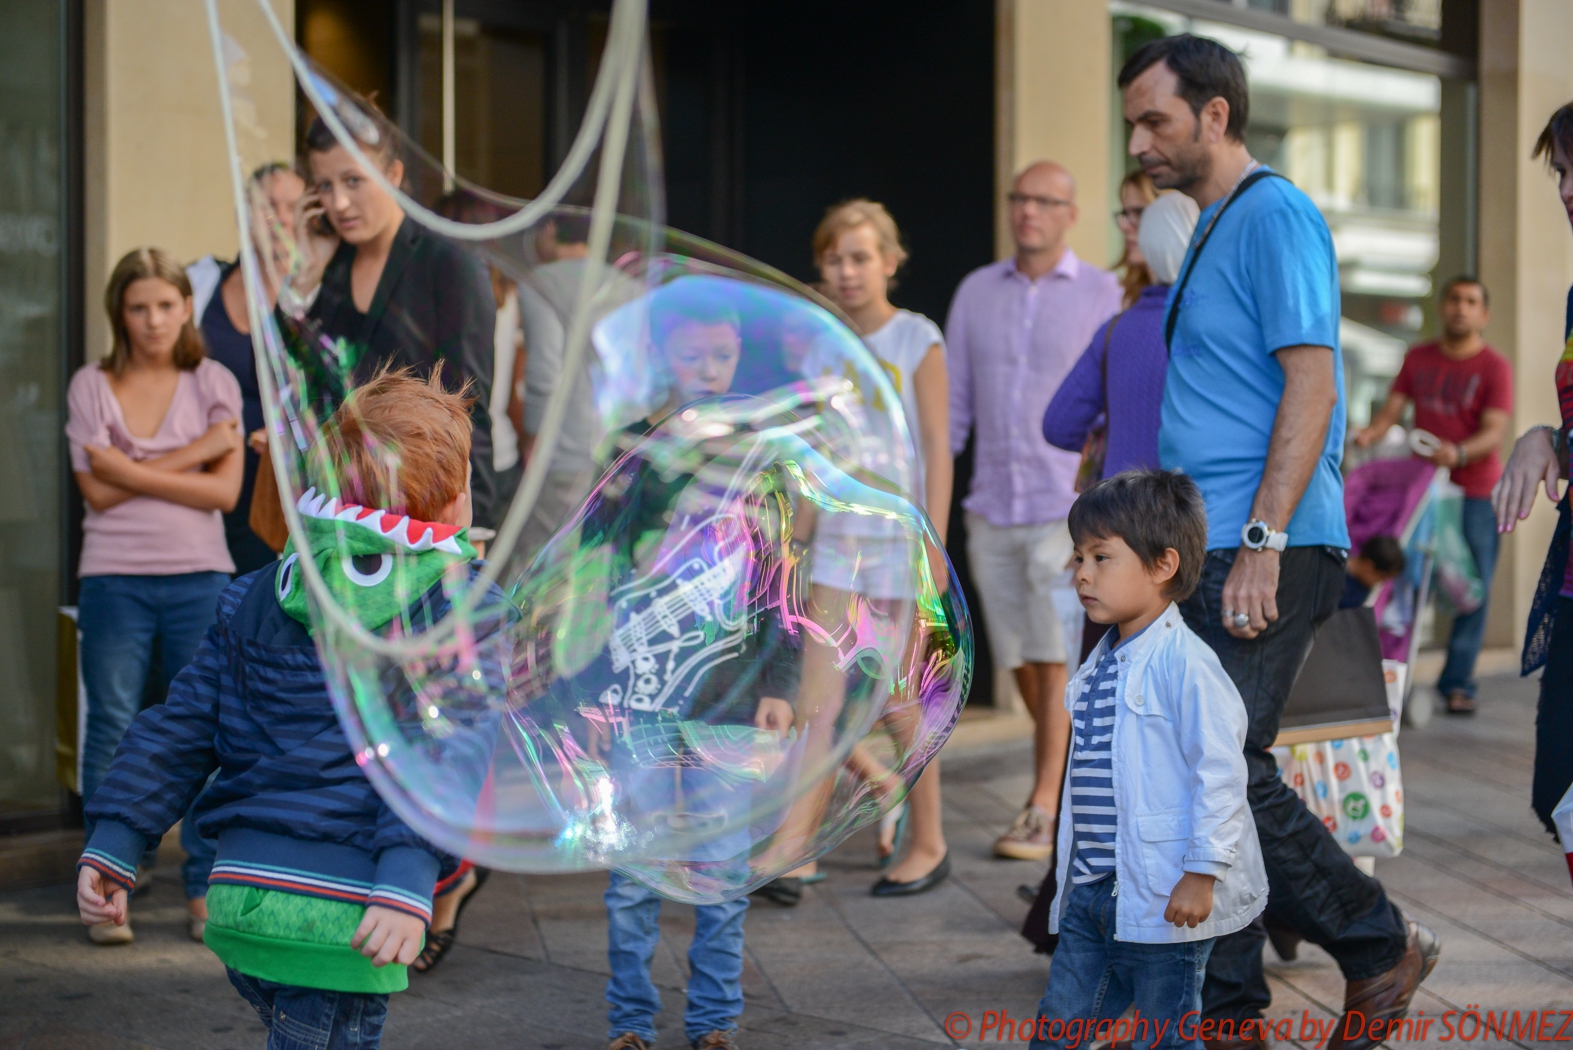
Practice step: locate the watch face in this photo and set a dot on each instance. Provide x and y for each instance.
(1255, 535)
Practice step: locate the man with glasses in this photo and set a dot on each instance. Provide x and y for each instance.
(1015, 329)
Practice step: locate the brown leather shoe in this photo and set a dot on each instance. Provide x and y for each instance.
(1386, 995)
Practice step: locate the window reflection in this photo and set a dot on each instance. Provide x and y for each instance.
(1365, 143)
(30, 397)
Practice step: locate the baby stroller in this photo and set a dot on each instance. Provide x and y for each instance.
(1416, 502)
(1399, 497)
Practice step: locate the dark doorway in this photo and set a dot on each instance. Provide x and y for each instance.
(770, 112)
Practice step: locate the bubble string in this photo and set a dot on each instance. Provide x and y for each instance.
(624, 48)
(626, 35)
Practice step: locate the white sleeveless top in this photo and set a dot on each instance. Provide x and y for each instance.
(899, 346)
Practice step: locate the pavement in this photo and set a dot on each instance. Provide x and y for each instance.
(843, 969)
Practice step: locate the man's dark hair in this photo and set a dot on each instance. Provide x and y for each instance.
(1151, 510)
(1557, 132)
(1385, 554)
(1205, 69)
(1466, 278)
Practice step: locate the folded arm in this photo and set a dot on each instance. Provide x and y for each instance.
(205, 474)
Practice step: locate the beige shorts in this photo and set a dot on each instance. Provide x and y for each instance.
(1015, 567)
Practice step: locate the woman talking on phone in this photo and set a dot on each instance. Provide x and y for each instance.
(395, 292)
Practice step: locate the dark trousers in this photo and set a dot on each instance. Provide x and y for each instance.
(1313, 885)
(1554, 719)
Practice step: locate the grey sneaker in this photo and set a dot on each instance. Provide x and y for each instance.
(717, 1040)
(1030, 838)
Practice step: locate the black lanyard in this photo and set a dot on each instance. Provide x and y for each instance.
(1185, 278)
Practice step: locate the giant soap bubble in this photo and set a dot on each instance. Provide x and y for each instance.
(714, 632)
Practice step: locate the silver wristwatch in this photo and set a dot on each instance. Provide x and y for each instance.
(1258, 535)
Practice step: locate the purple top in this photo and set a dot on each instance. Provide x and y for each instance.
(1010, 341)
(1138, 361)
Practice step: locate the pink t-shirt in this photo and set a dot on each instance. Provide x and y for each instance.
(147, 536)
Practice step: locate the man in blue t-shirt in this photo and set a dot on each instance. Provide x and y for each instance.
(1253, 410)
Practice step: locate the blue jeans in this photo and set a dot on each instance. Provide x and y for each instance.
(1480, 534)
(1094, 977)
(120, 618)
(715, 963)
(314, 1018)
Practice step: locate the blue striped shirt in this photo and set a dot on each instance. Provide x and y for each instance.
(1094, 817)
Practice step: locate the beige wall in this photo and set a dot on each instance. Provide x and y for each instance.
(1052, 75)
(156, 170)
(1526, 253)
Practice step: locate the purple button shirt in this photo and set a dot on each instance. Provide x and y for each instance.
(1010, 341)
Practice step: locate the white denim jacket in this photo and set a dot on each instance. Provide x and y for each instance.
(1179, 787)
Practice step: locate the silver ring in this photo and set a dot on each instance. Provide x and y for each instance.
(1242, 620)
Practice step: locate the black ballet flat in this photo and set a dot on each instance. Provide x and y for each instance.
(890, 888)
(785, 891)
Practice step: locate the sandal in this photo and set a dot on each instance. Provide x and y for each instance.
(1460, 704)
(438, 942)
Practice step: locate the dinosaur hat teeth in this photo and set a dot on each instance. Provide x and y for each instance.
(403, 530)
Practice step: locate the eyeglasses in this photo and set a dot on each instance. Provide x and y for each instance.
(1021, 200)
(1129, 216)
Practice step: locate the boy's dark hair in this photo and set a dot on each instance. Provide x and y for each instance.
(1557, 132)
(1151, 510)
(1466, 278)
(691, 300)
(1385, 554)
(1205, 69)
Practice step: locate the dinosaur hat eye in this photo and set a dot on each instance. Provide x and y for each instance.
(285, 580)
(367, 570)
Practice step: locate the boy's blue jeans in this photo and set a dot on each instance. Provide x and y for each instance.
(715, 963)
(1093, 977)
(120, 618)
(313, 1018)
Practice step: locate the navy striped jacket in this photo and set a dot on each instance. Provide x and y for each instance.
(290, 808)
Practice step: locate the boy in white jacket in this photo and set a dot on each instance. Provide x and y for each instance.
(1159, 856)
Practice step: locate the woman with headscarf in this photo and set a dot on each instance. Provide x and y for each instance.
(1119, 379)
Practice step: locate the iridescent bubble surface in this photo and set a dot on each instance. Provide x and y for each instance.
(714, 632)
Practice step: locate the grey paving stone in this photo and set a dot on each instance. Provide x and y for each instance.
(845, 970)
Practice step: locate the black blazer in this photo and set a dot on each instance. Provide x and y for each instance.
(434, 303)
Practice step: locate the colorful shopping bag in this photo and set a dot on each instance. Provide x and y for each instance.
(1356, 789)
(1562, 817)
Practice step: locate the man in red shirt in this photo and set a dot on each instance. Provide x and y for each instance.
(1463, 393)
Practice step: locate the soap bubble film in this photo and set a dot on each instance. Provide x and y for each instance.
(713, 632)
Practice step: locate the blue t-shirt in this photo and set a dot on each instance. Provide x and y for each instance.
(1268, 279)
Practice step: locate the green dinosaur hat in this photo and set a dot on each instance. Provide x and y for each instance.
(375, 563)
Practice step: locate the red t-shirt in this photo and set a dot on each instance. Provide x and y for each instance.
(1450, 397)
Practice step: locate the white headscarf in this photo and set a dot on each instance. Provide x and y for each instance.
(1167, 225)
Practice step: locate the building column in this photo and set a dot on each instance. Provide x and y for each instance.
(1525, 249)
(155, 164)
(1052, 77)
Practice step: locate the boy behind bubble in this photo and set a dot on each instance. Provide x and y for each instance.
(1160, 856)
(696, 337)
